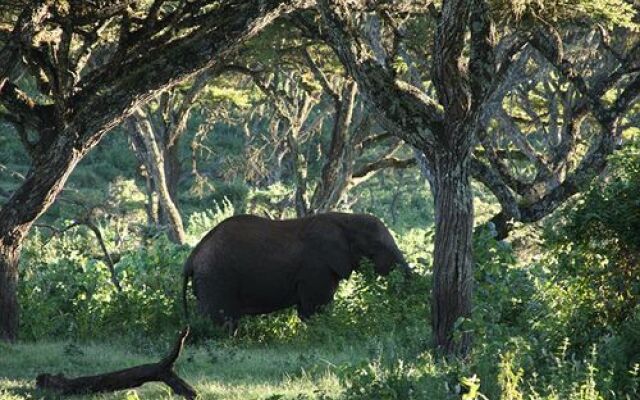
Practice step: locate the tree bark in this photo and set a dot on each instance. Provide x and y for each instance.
(157, 170)
(336, 172)
(43, 182)
(453, 261)
(172, 171)
(299, 167)
(9, 255)
(151, 206)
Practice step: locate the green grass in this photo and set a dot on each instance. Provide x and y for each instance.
(227, 372)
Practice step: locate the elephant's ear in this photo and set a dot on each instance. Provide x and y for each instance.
(332, 251)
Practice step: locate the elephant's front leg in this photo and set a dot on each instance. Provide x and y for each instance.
(316, 287)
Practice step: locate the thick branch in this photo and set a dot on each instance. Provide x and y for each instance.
(109, 93)
(390, 162)
(181, 115)
(482, 61)
(26, 111)
(29, 22)
(449, 78)
(320, 76)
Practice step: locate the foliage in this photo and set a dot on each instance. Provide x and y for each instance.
(597, 251)
(611, 13)
(375, 381)
(201, 222)
(74, 294)
(381, 319)
(564, 324)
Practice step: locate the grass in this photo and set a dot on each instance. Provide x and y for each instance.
(227, 372)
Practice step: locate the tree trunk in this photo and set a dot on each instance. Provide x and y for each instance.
(151, 206)
(172, 171)
(453, 275)
(299, 167)
(336, 170)
(9, 317)
(157, 170)
(38, 191)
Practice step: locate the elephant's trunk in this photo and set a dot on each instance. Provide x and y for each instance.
(406, 269)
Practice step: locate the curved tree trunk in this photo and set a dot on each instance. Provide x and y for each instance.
(453, 261)
(38, 191)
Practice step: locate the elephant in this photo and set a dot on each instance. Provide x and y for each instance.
(249, 265)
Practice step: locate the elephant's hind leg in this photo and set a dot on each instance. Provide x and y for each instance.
(217, 301)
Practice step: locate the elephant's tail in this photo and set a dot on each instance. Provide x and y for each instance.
(187, 273)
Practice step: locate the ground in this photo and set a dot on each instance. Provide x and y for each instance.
(255, 372)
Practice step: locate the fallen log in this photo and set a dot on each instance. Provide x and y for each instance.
(161, 371)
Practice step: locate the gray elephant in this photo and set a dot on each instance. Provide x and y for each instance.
(249, 265)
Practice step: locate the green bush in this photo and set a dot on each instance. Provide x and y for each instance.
(76, 297)
(592, 250)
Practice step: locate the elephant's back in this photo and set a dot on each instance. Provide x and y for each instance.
(248, 242)
(255, 258)
(252, 229)
(244, 239)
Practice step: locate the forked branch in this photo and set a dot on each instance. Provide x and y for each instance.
(161, 371)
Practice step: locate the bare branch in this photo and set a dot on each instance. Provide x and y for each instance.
(390, 162)
(320, 76)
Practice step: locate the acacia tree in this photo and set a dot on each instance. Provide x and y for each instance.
(470, 70)
(156, 129)
(303, 94)
(91, 64)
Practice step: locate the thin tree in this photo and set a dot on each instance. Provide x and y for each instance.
(156, 130)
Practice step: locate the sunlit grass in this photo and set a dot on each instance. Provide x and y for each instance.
(255, 372)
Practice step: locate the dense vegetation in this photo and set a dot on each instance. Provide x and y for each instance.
(498, 141)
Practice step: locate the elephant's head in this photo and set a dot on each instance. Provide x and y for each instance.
(371, 239)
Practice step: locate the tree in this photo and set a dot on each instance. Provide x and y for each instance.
(88, 65)
(156, 130)
(471, 67)
(303, 93)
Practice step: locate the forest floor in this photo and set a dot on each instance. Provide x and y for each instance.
(231, 372)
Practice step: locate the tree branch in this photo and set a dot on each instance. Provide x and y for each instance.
(399, 107)
(161, 371)
(320, 76)
(25, 110)
(482, 60)
(390, 162)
